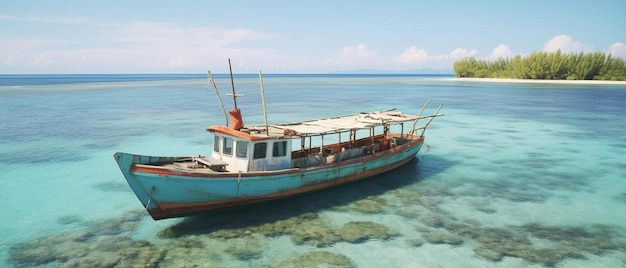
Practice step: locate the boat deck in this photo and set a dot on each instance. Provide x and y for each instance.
(329, 154)
(201, 164)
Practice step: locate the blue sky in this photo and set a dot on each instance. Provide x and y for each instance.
(294, 36)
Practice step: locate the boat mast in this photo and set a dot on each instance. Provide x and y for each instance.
(232, 82)
(235, 114)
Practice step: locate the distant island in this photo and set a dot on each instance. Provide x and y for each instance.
(546, 66)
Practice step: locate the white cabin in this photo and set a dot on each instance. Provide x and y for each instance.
(244, 155)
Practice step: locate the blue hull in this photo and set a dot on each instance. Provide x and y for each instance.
(170, 193)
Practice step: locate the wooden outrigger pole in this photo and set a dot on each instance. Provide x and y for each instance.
(219, 99)
(419, 114)
(267, 131)
(431, 118)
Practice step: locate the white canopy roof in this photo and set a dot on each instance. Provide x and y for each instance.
(337, 124)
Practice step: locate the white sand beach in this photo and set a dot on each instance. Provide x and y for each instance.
(578, 82)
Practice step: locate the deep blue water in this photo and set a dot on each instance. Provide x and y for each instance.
(514, 175)
(60, 79)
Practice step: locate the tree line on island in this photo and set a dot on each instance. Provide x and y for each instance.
(546, 65)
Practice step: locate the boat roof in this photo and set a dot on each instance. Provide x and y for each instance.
(324, 126)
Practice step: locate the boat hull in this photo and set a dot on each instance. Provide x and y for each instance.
(168, 193)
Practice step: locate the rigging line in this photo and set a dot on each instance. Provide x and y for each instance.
(142, 214)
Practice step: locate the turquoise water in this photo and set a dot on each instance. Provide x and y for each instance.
(515, 175)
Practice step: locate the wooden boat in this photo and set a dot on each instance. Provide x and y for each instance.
(251, 164)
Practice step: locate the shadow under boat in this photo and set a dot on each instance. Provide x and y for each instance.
(267, 212)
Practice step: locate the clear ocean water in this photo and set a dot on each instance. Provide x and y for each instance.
(515, 175)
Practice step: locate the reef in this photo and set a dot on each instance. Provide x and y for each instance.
(416, 242)
(316, 259)
(314, 232)
(368, 205)
(246, 248)
(101, 245)
(304, 229)
(242, 235)
(69, 219)
(86, 250)
(535, 243)
(358, 231)
(372, 204)
(191, 252)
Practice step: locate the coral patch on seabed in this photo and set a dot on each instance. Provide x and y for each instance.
(360, 231)
(316, 259)
(245, 248)
(416, 242)
(304, 229)
(439, 237)
(69, 219)
(190, 252)
(102, 245)
(371, 205)
(534, 243)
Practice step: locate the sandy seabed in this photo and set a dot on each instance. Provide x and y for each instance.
(578, 82)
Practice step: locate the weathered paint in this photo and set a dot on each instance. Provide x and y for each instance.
(248, 163)
(233, 132)
(173, 193)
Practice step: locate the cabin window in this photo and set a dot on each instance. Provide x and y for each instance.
(227, 149)
(216, 144)
(242, 149)
(280, 149)
(260, 150)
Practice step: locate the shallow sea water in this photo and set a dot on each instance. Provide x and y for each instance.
(514, 175)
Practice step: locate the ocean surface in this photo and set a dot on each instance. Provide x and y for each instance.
(514, 175)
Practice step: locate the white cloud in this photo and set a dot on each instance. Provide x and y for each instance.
(411, 56)
(141, 47)
(566, 44)
(165, 45)
(460, 53)
(501, 51)
(618, 49)
(173, 62)
(166, 34)
(41, 19)
(354, 57)
(21, 52)
(414, 58)
(361, 57)
(10, 61)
